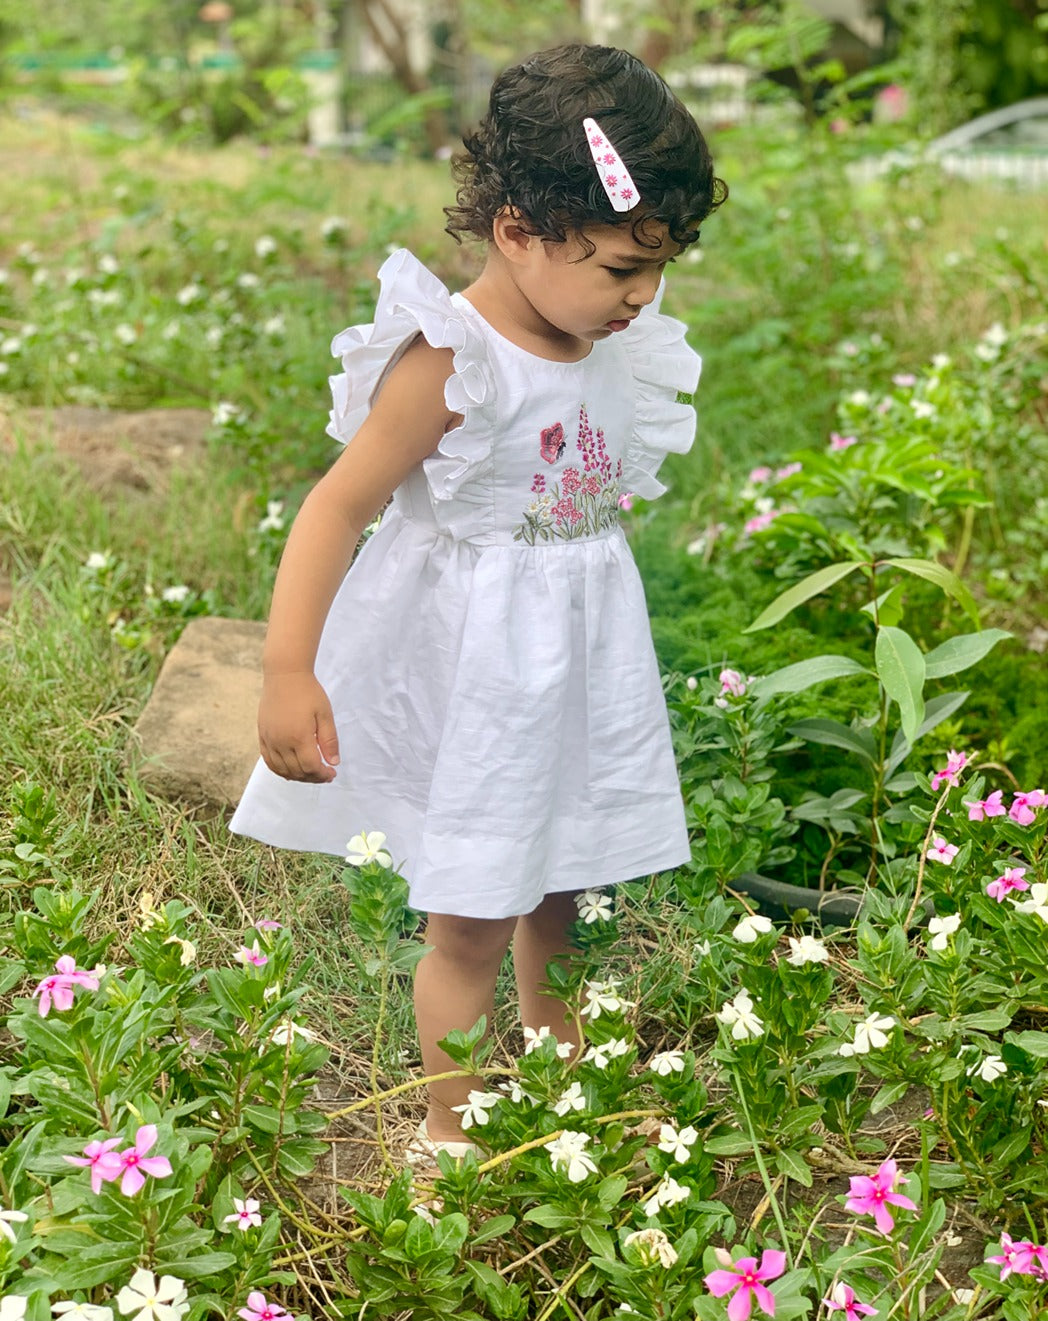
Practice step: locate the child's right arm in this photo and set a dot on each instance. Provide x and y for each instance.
(296, 729)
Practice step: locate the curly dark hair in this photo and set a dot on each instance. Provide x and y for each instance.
(530, 152)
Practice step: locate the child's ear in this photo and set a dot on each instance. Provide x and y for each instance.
(512, 235)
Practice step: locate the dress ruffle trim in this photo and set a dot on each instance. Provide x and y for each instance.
(413, 302)
(663, 365)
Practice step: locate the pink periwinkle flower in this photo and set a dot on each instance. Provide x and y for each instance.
(761, 474)
(790, 470)
(268, 924)
(57, 989)
(102, 1160)
(135, 1164)
(955, 763)
(1022, 806)
(251, 955)
(983, 808)
(904, 380)
(258, 1309)
(760, 521)
(940, 851)
(872, 1196)
(748, 1279)
(838, 442)
(731, 681)
(842, 1299)
(1017, 1256)
(1011, 880)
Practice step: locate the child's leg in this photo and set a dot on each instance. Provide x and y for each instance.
(454, 986)
(541, 938)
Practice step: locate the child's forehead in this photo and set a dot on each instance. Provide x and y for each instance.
(648, 242)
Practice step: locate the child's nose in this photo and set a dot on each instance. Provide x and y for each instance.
(644, 288)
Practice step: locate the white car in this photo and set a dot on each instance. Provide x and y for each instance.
(1008, 145)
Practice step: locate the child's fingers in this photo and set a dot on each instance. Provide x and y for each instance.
(327, 737)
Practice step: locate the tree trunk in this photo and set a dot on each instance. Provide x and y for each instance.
(390, 35)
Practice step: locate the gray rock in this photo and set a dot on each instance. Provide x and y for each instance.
(114, 451)
(196, 737)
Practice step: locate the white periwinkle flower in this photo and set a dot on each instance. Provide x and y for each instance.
(533, 1039)
(989, 1069)
(175, 595)
(1036, 903)
(332, 227)
(245, 1216)
(12, 1307)
(265, 246)
(125, 333)
(274, 519)
(189, 294)
(603, 997)
(568, 1152)
(806, 950)
(108, 264)
(941, 929)
(677, 1144)
(572, 1099)
(285, 1033)
(739, 1016)
(667, 1062)
(751, 927)
(594, 906)
(146, 1300)
(601, 1055)
(273, 326)
(668, 1193)
(477, 1109)
(186, 950)
(870, 1034)
(98, 561)
(9, 1218)
(652, 1246)
(71, 1311)
(367, 847)
(248, 280)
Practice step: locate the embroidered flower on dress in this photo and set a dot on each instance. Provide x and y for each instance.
(585, 502)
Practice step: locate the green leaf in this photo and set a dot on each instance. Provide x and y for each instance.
(835, 735)
(806, 674)
(195, 1268)
(989, 1020)
(956, 654)
(597, 1240)
(888, 1095)
(611, 1190)
(900, 667)
(940, 708)
(803, 591)
(493, 1228)
(729, 1144)
(265, 1117)
(1034, 1043)
(887, 608)
(943, 578)
(794, 1166)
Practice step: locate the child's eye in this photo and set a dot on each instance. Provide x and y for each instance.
(621, 272)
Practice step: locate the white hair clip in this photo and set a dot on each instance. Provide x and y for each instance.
(622, 193)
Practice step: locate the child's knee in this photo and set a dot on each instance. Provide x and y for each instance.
(480, 942)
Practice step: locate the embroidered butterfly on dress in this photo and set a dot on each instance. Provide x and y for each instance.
(551, 442)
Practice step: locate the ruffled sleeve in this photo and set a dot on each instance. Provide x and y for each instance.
(664, 365)
(413, 302)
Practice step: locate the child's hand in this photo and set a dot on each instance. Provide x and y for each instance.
(296, 730)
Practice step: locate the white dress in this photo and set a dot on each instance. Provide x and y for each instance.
(488, 656)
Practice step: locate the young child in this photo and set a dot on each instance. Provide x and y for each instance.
(482, 686)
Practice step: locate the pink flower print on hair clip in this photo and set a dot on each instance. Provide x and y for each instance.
(614, 177)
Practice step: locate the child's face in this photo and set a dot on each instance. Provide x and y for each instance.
(593, 297)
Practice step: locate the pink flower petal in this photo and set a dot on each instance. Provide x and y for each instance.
(721, 1282)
